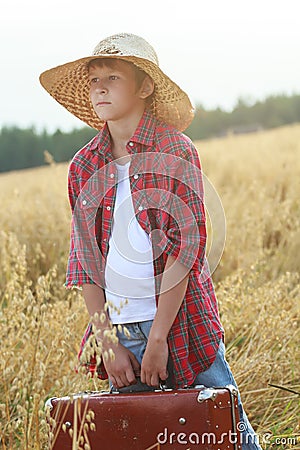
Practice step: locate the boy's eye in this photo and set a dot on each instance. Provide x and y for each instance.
(113, 77)
(94, 80)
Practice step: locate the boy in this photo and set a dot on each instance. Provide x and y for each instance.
(138, 230)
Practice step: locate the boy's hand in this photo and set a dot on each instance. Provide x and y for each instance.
(154, 363)
(123, 370)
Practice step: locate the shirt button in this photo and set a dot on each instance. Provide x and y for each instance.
(131, 144)
(140, 208)
(135, 176)
(84, 202)
(112, 175)
(104, 239)
(108, 208)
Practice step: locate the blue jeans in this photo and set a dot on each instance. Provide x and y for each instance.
(218, 374)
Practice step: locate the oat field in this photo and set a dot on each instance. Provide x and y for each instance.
(257, 177)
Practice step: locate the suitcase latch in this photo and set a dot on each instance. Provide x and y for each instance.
(207, 394)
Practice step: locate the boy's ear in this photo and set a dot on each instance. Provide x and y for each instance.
(147, 87)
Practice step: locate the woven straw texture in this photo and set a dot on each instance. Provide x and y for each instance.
(69, 84)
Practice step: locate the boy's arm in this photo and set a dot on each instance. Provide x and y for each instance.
(123, 369)
(173, 289)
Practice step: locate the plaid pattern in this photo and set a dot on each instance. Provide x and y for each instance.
(167, 192)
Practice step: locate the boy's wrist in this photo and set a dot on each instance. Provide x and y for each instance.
(158, 336)
(106, 338)
(103, 329)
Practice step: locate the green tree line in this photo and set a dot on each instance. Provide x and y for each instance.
(274, 111)
(25, 148)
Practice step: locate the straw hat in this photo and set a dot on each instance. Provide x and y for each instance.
(69, 84)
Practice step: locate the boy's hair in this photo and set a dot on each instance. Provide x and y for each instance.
(139, 74)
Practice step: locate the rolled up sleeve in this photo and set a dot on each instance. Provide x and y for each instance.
(183, 221)
(76, 275)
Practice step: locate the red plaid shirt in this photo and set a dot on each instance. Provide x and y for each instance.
(167, 192)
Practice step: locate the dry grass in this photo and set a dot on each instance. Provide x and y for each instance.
(257, 281)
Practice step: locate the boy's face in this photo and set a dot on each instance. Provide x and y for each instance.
(114, 92)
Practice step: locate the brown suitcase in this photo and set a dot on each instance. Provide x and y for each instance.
(182, 419)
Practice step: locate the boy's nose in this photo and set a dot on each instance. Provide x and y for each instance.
(101, 88)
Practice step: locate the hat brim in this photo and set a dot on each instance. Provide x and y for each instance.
(68, 84)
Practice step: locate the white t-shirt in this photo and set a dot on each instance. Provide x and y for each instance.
(129, 272)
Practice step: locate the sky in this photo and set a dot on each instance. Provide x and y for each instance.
(216, 50)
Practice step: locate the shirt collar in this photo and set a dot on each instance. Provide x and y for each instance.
(102, 138)
(144, 134)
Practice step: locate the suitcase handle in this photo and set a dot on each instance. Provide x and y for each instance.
(162, 387)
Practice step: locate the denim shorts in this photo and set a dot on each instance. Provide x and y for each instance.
(136, 343)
